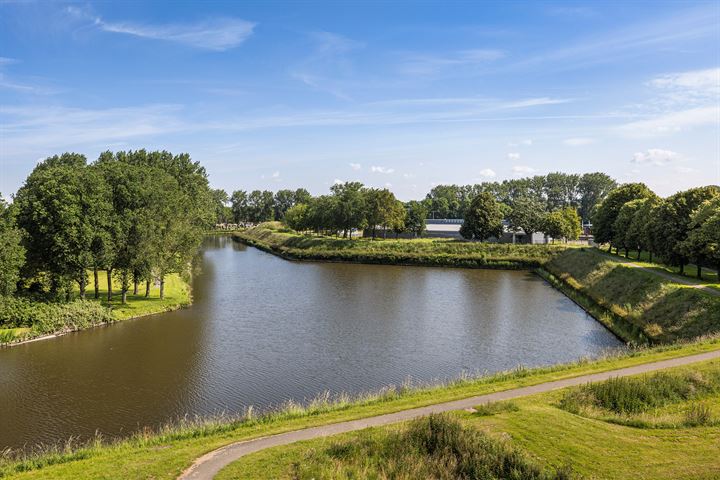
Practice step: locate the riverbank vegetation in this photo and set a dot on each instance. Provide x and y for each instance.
(133, 218)
(637, 301)
(679, 229)
(276, 238)
(561, 444)
(166, 452)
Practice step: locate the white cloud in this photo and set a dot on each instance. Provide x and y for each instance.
(655, 156)
(695, 82)
(534, 102)
(523, 170)
(275, 174)
(337, 181)
(428, 64)
(219, 34)
(674, 121)
(513, 156)
(408, 175)
(388, 185)
(684, 170)
(487, 173)
(378, 169)
(577, 142)
(355, 166)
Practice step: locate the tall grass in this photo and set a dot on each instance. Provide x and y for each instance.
(433, 447)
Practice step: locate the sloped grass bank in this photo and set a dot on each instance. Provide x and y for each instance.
(274, 238)
(637, 303)
(165, 453)
(561, 444)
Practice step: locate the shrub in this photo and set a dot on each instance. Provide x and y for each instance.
(494, 408)
(698, 414)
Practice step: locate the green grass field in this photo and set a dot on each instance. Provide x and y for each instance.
(177, 294)
(273, 236)
(709, 276)
(536, 425)
(166, 454)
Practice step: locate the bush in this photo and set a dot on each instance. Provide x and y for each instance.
(46, 318)
(493, 408)
(698, 415)
(437, 446)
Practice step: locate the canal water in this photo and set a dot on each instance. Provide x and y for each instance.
(263, 330)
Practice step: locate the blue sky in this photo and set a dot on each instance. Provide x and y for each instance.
(280, 95)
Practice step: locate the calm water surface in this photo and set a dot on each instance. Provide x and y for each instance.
(264, 330)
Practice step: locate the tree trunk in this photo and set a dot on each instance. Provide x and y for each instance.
(682, 267)
(124, 296)
(83, 283)
(95, 278)
(135, 286)
(639, 253)
(699, 272)
(650, 256)
(147, 288)
(162, 287)
(374, 228)
(610, 248)
(109, 283)
(627, 253)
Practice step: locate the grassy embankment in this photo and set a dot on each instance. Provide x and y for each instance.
(24, 319)
(272, 237)
(164, 454)
(671, 430)
(639, 306)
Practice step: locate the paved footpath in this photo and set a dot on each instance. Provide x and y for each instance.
(207, 466)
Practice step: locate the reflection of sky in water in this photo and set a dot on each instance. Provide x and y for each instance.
(264, 330)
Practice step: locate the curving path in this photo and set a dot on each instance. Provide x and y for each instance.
(207, 466)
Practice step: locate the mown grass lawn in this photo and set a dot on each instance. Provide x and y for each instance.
(166, 455)
(555, 437)
(177, 294)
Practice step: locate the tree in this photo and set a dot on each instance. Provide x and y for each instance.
(12, 252)
(302, 196)
(608, 210)
(561, 190)
(623, 222)
(261, 206)
(592, 189)
(239, 201)
(483, 219)
(284, 199)
(381, 209)
(527, 215)
(297, 217)
(220, 199)
(349, 206)
(703, 241)
(554, 225)
(415, 217)
(672, 224)
(573, 227)
(61, 206)
(637, 234)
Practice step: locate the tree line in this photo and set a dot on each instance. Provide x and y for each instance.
(137, 215)
(681, 228)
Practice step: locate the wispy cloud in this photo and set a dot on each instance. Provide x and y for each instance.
(487, 173)
(523, 170)
(673, 122)
(378, 169)
(429, 64)
(355, 166)
(218, 34)
(513, 156)
(578, 142)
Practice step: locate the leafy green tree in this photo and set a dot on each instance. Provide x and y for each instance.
(415, 217)
(703, 241)
(608, 210)
(220, 199)
(573, 227)
(12, 252)
(302, 196)
(321, 214)
(350, 207)
(527, 215)
(483, 219)
(561, 190)
(554, 224)
(239, 201)
(621, 228)
(592, 189)
(672, 223)
(637, 234)
(381, 209)
(297, 217)
(284, 199)
(261, 206)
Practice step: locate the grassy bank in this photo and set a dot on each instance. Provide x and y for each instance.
(534, 433)
(165, 454)
(273, 237)
(635, 304)
(23, 319)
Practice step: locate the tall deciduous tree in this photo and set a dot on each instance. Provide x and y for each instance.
(12, 253)
(608, 210)
(527, 215)
(592, 189)
(350, 207)
(483, 219)
(415, 217)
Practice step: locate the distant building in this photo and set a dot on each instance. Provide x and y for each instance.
(450, 228)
